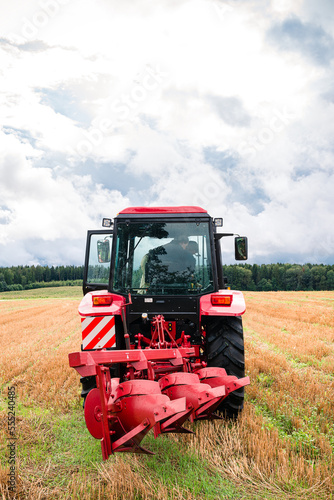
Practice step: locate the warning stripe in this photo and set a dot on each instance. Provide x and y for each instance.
(98, 332)
(89, 324)
(103, 333)
(109, 339)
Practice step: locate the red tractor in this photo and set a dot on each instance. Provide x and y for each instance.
(162, 336)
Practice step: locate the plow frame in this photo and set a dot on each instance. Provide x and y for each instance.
(87, 363)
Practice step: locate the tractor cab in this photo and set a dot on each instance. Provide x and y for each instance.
(157, 252)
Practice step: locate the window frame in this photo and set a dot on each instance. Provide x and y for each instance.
(150, 220)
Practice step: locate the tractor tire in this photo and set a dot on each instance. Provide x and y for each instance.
(225, 349)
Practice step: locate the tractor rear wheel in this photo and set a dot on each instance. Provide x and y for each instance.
(225, 349)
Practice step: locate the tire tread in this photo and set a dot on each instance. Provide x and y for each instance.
(225, 349)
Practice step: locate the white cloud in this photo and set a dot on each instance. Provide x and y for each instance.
(191, 99)
(39, 205)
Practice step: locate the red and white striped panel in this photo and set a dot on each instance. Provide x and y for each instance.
(98, 332)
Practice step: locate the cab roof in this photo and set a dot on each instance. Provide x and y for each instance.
(164, 210)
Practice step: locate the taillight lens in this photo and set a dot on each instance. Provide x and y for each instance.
(221, 300)
(102, 300)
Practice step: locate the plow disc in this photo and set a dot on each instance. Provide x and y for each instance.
(121, 416)
(202, 397)
(93, 414)
(217, 377)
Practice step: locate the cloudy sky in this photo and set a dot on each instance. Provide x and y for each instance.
(227, 105)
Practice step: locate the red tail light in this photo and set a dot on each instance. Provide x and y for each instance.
(221, 300)
(102, 300)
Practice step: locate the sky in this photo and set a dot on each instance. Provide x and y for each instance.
(227, 105)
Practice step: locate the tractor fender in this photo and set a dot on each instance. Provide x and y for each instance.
(87, 308)
(234, 306)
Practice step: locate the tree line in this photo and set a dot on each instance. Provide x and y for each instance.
(275, 277)
(264, 277)
(26, 277)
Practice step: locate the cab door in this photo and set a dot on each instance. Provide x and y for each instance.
(97, 260)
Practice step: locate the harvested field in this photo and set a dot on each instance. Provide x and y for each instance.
(282, 446)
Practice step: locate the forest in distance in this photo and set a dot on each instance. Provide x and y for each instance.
(245, 277)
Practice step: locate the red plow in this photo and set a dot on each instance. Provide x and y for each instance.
(165, 384)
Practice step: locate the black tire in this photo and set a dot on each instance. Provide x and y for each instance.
(88, 383)
(225, 349)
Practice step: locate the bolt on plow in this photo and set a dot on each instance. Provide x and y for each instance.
(162, 337)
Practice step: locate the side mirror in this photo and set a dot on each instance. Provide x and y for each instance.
(241, 248)
(103, 251)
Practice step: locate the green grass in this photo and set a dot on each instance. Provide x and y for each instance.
(56, 452)
(174, 466)
(72, 292)
(302, 439)
(64, 440)
(53, 446)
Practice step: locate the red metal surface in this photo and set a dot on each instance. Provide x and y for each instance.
(237, 307)
(86, 307)
(216, 377)
(86, 362)
(202, 397)
(174, 422)
(161, 334)
(164, 210)
(93, 413)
